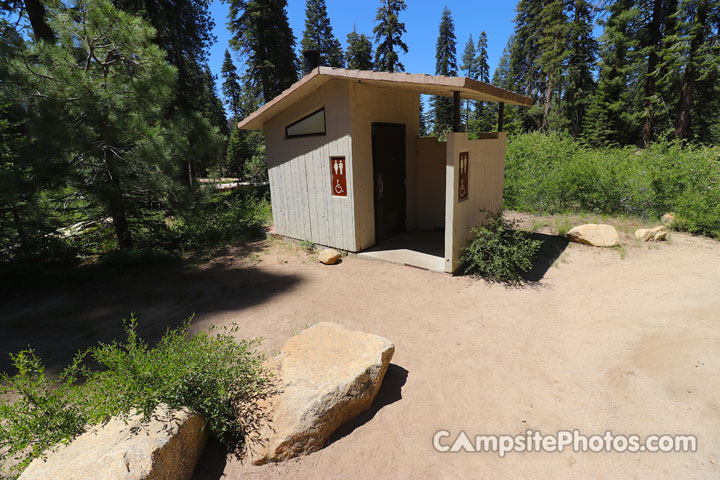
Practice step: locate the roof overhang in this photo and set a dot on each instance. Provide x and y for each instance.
(417, 82)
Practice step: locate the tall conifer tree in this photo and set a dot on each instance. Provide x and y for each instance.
(469, 68)
(261, 33)
(613, 117)
(445, 64)
(359, 53)
(388, 35)
(579, 84)
(485, 116)
(231, 85)
(318, 35)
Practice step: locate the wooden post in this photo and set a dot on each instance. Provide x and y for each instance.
(456, 112)
(501, 116)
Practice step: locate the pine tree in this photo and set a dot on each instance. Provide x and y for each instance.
(261, 33)
(388, 35)
(699, 48)
(184, 31)
(704, 119)
(359, 51)
(502, 77)
(553, 24)
(318, 35)
(214, 152)
(445, 64)
(657, 24)
(469, 63)
(109, 94)
(485, 115)
(579, 85)
(231, 85)
(613, 117)
(525, 74)
(469, 66)
(481, 61)
(423, 130)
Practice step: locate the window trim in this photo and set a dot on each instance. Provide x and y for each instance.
(319, 134)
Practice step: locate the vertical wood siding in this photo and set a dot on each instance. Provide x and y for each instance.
(299, 171)
(485, 190)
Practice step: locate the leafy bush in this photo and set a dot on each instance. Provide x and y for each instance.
(117, 259)
(212, 374)
(220, 220)
(256, 170)
(500, 251)
(554, 173)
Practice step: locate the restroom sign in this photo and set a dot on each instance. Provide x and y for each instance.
(338, 175)
(463, 162)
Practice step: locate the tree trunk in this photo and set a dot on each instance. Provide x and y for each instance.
(548, 97)
(116, 206)
(18, 226)
(36, 13)
(122, 230)
(654, 44)
(268, 90)
(190, 174)
(682, 124)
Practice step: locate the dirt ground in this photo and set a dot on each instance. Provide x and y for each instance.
(626, 340)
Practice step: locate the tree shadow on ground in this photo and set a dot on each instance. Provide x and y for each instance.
(552, 247)
(57, 319)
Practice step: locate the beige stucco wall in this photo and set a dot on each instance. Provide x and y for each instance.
(370, 104)
(430, 198)
(299, 170)
(485, 181)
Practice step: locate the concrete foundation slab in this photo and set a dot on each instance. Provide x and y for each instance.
(416, 249)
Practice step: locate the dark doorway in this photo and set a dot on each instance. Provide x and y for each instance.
(388, 147)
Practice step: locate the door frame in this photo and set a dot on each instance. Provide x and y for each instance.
(404, 175)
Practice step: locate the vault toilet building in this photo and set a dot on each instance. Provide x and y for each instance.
(348, 169)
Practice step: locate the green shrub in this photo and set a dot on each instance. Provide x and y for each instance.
(554, 173)
(220, 220)
(117, 259)
(500, 251)
(256, 170)
(212, 374)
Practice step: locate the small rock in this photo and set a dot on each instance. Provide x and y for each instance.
(668, 219)
(324, 377)
(656, 234)
(594, 235)
(164, 448)
(329, 256)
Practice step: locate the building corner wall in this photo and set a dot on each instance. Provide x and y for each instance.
(486, 176)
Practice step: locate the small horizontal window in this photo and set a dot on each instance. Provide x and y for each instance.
(313, 124)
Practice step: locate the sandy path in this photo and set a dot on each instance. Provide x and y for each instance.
(602, 343)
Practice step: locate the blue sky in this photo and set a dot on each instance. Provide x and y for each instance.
(421, 21)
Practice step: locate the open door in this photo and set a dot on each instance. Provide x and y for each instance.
(388, 150)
